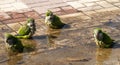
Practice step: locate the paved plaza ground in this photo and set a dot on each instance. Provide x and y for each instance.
(74, 44)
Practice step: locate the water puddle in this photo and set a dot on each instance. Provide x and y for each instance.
(72, 45)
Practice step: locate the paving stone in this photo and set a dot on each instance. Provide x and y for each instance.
(5, 5)
(59, 5)
(85, 1)
(19, 5)
(72, 15)
(55, 9)
(23, 22)
(32, 14)
(90, 4)
(8, 9)
(104, 4)
(40, 4)
(4, 16)
(113, 1)
(16, 14)
(14, 20)
(117, 4)
(89, 8)
(14, 26)
(76, 4)
(69, 9)
(6, 1)
(84, 17)
(107, 9)
(13, 33)
(1, 23)
(60, 13)
(40, 10)
(89, 12)
(56, 1)
(24, 10)
(33, 1)
(5, 29)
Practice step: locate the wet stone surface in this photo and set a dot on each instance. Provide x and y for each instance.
(72, 45)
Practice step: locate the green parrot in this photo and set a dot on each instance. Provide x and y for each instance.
(53, 21)
(102, 39)
(13, 43)
(26, 31)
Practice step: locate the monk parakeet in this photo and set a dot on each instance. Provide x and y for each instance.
(13, 43)
(27, 30)
(102, 39)
(53, 21)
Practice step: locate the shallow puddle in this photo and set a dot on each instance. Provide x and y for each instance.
(72, 45)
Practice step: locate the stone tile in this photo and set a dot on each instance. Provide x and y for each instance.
(14, 26)
(33, 1)
(117, 4)
(4, 16)
(39, 4)
(13, 33)
(56, 1)
(5, 5)
(55, 9)
(90, 8)
(40, 10)
(23, 22)
(75, 4)
(112, 1)
(86, 1)
(90, 4)
(8, 9)
(14, 20)
(60, 13)
(32, 14)
(72, 15)
(19, 5)
(1, 23)
(24, 10)
(107, 9)
(6, 1)
(89, 12)
(69, 9)
(5, 29)
(16, 14)
(58, 5)
(84, 17)
(104, 4)
(42, 16)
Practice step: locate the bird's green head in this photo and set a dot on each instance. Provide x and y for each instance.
(30, 22)
(49, 13)
(7, 35)
(98, 33)
(10, 39)
(97, 30)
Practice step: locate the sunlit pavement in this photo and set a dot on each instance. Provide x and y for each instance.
(77, 47)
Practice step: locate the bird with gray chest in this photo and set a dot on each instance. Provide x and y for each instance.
(102, 39)
(53, 21)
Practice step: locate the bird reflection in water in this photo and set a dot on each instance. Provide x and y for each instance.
(102, 54)
(52, 34)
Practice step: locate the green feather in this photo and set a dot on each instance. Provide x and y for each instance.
(24, 30)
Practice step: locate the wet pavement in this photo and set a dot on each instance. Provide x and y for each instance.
(72, 45)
